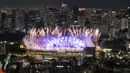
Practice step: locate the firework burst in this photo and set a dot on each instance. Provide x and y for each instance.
(70, 39)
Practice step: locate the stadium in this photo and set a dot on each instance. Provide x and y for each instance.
(71, 41)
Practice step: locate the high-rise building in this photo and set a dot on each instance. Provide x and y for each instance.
(104, 29)
(26, 19)
(124, 23)
(20, 25)
(81, 16)
(128, 16)
(8, 22)
(64, 12)
(81, 20)
(129, 22)
(13, 18)
(3, 18)
(75, 12)
(34, 18)
(114, 33)
(106, 18)
(64, 8)
(57, 16)
(0, 19)
(96, 17)
(43, 16)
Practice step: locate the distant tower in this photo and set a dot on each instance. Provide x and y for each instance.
(26, 20)
(3, 18)
(34, 18)
(43, 16)
(81, 16)
(13, 18)
(128, 14)
(64, 15)
(75, 12)
(124, 23)
(20, 25)
(81, 20)
(64, 7)
(64, 12)
(96, 18)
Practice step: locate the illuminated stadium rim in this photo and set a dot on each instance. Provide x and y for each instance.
(55, 53)
(50, 52)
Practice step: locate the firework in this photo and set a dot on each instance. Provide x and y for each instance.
(70, 39)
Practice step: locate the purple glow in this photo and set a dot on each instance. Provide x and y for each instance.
(56, 40)
(65, 43)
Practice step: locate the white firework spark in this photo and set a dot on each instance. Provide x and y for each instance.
(70, 39)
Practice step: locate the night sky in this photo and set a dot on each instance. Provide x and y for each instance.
(82, 3)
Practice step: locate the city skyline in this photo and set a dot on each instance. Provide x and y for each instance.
(82, 3)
